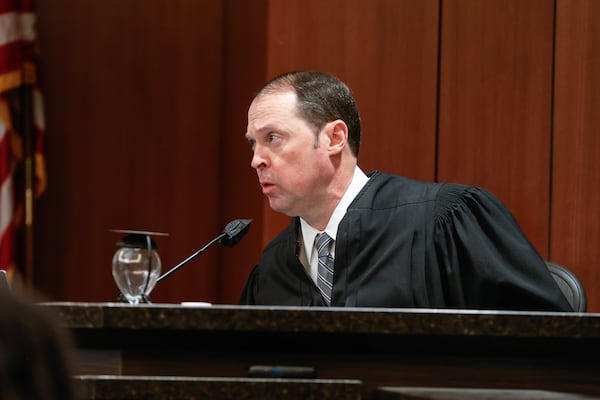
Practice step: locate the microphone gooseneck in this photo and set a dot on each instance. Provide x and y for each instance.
(231, 235)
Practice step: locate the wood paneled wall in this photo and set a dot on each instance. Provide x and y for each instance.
(575, 199)
(146, 111)
(495, 103)
(134, 96)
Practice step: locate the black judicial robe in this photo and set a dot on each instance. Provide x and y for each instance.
(408, 243)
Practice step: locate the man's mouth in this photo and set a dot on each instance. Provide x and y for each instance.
(266, 186)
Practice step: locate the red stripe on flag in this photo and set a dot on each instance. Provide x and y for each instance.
(10, 6)
(5, 157)
(7, 248)
(26, 5)
(16, 6)
(6, 201)
(11, 57)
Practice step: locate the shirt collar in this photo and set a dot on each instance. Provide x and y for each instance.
(359, 180)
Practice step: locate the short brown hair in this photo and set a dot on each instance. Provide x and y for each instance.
(322, 98)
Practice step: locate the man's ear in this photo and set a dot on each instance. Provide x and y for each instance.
(337, 132)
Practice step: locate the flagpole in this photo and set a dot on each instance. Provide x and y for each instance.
(28, 142)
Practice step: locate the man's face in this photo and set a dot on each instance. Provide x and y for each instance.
(292, 163)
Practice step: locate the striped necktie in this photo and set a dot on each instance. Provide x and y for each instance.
(325, 275)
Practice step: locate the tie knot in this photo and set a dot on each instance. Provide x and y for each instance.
(322, 241)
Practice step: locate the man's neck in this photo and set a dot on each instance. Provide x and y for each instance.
(340, 201)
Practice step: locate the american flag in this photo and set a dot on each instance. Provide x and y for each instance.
(21, 125)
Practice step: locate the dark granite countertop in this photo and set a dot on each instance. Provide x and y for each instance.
(326, 320)
(160, 387)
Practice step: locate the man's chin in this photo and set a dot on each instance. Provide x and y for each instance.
(280, 208)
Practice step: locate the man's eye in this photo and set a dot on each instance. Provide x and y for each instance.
(252, 143)
(273, 138)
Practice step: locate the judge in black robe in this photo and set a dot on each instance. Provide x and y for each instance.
(407, 243)
(398, 242)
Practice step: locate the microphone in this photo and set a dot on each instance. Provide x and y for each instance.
(234, 231)
(231, 235)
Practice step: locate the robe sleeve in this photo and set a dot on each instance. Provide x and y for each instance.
(247, 296)
(485, 259)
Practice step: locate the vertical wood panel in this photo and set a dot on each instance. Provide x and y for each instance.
(133, 116)
(386, 51)
(495, 104)
(241, 196)
(575, 239)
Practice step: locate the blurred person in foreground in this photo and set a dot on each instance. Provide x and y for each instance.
(375, 240)
(33, 352)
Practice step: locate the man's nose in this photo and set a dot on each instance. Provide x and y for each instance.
(259, 158)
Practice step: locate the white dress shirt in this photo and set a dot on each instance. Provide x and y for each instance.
(308, 254)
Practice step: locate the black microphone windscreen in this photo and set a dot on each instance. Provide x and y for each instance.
(234, 231)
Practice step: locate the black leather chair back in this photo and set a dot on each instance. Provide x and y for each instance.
(570, 285)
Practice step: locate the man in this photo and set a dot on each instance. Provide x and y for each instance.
(378, 240)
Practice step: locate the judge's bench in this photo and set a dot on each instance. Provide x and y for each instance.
(249, 352)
